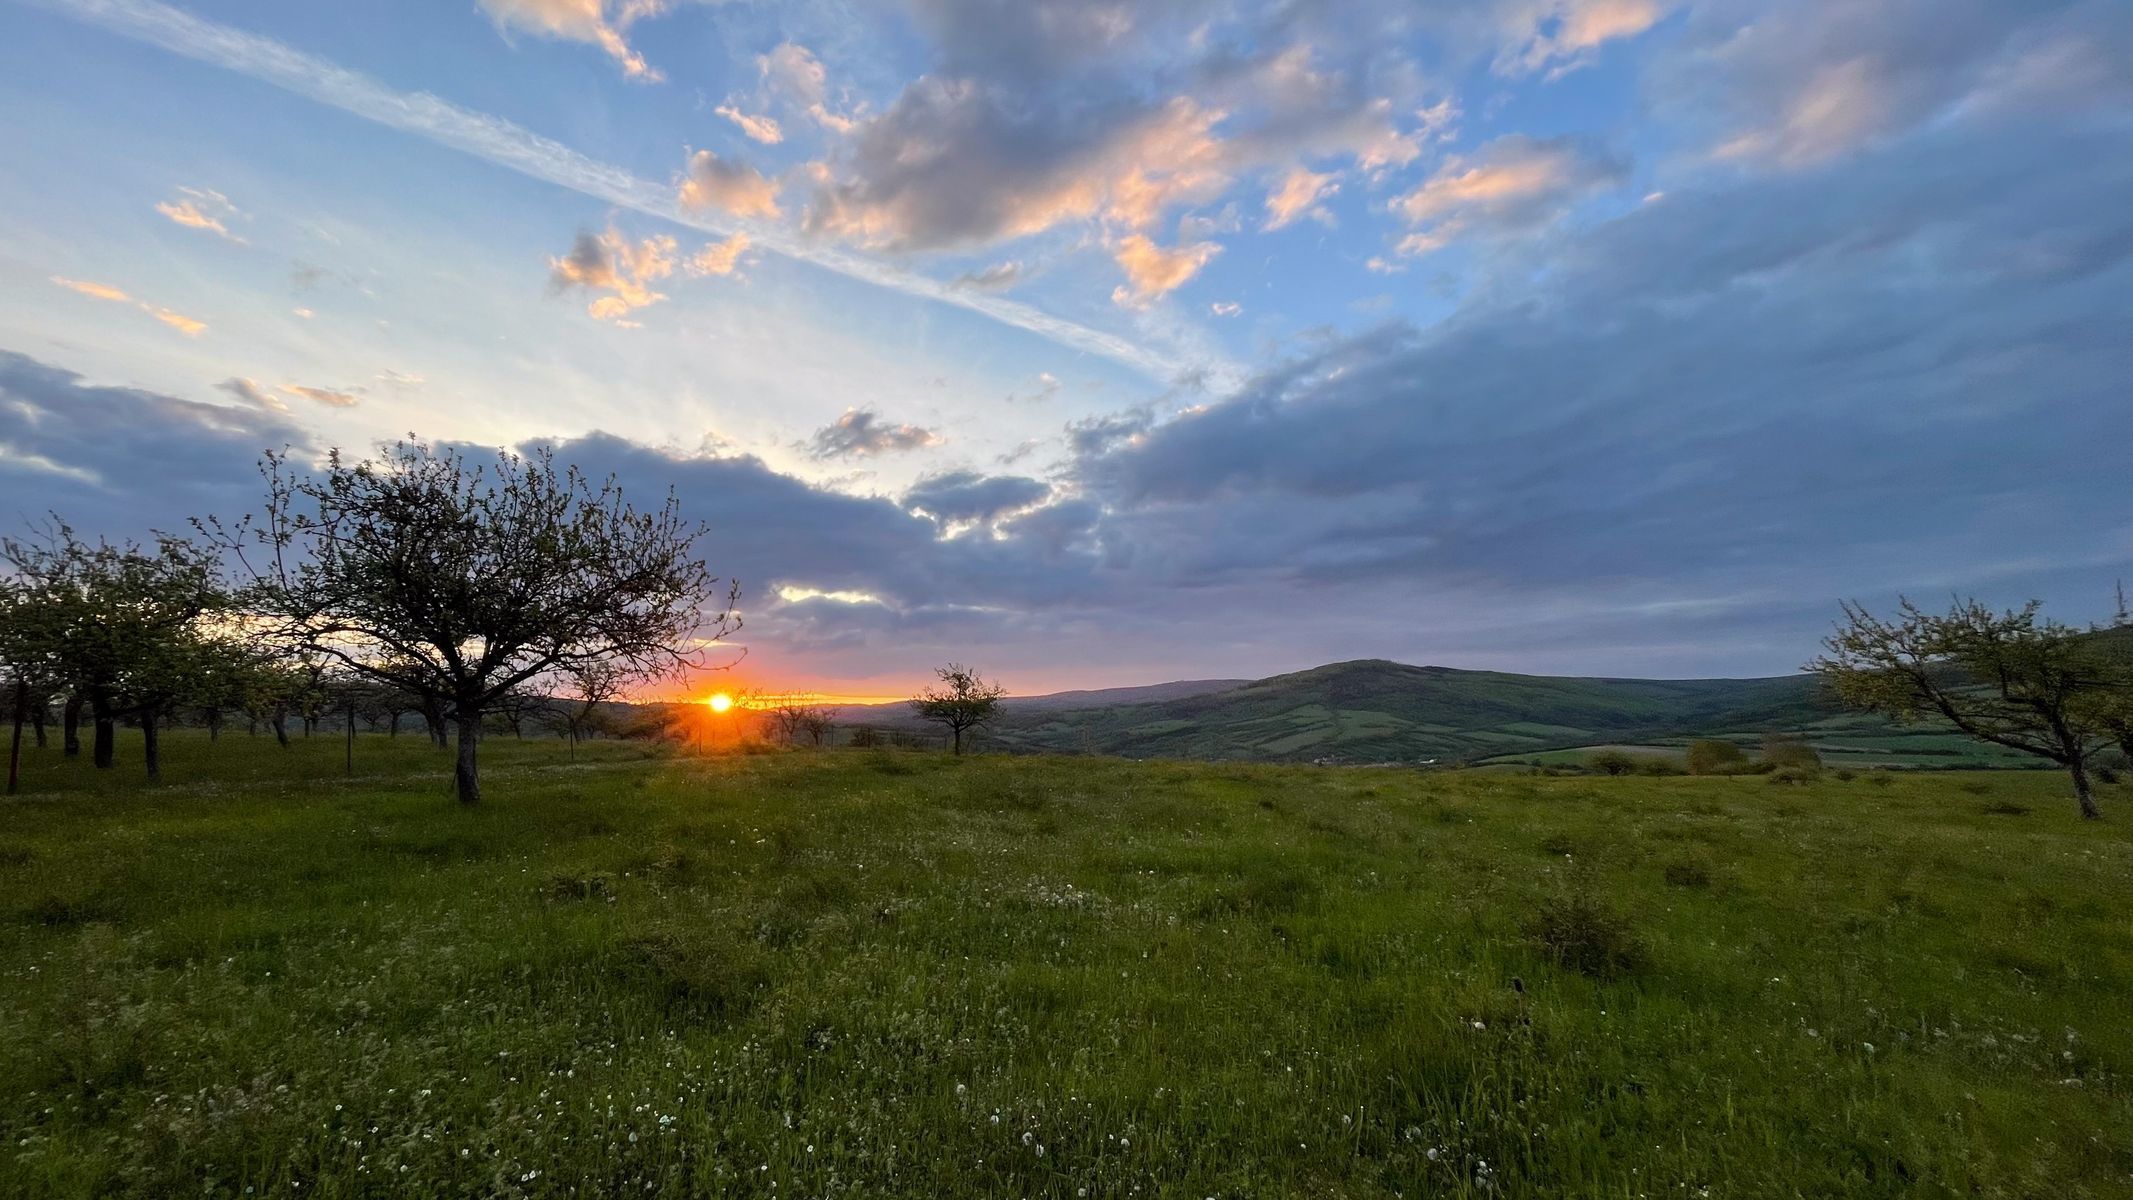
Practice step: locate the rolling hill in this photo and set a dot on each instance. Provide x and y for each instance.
(1371, 710)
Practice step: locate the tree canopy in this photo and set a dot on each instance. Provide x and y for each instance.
(456, 580)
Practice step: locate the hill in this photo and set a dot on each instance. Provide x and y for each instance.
(1374, 711)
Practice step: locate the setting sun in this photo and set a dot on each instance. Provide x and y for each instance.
(720, 702)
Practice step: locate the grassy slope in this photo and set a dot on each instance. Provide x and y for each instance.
(882, 974)
(1374, 710)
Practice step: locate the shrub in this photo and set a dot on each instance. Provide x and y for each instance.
(1790, 750)
(1659, 764)
(1612, 762)
(1579, 932)
(1709, 756)
(1793, 775)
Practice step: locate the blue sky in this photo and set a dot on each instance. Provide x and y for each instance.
(1108, 341)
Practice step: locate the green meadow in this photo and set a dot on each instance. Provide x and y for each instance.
(882, 973)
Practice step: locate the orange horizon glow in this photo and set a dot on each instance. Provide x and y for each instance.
(719, 702)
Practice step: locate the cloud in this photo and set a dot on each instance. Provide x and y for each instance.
(998, 277)
(99, 291)
(719, 258)
(792, 73)
(202, 209)
(728, 185)
(859, 433)
(758, 128)
(1514, 184)
(495, 140)
(594, 22)
(400, 380)
(330, 397)
(957, 497)
(1047, 387)
(118, 461)
(1559, 36)
(1225, 308)
(1298, 195)
(305, 313)
(188, 326)
(608, 262)
(1801, 84)
(1152, 271)
(253, 393)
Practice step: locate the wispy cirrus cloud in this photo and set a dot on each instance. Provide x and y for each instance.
(203, 209)
(759, 128)
(189, 326)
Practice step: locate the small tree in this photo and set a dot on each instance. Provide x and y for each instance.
(1710, 756)
(1790, 750)
(458, 581)
(1613, 762)
(2008, 678)
(964, 701)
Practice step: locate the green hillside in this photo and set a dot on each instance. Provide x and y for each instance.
(1372, 710)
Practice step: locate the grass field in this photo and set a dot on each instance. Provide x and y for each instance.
(887, 974)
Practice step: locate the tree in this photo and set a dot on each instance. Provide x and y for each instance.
(1613, 762)
(592, 684)
(964, 701)
(126, 628)
(791, 719)
(1709, 756)
(2008, 678)
(458, 581)
(1790, 750)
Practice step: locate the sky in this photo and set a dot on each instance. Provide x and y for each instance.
(1103, 342)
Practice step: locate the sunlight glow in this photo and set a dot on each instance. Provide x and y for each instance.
(719, 702)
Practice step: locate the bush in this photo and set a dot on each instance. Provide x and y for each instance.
(1582, 934)
(1791, 775)
(1709, 756)
(1659, 764)
(1783, 750)
(1612, 762)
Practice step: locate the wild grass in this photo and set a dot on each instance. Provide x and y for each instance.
(891, 974)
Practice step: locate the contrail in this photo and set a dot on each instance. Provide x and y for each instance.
(508, 145)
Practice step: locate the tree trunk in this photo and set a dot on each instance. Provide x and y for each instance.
(958, 731)
(37, 722)
(281, 727)
(351, 745)
(70, 728)
(2082, 792)
(433, 717)
(214, 725)
(393, 730)
(14, 747)
(106, 733)
(151, 748)
(467, 777)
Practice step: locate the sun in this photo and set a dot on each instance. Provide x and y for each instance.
(719, 702)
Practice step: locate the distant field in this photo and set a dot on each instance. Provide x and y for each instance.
(873, 973)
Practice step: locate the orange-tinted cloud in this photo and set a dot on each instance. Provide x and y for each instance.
(608, 262)
(586, 21)
(728, 185)
(1152, 271)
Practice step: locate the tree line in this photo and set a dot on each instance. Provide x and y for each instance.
(423, 581)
